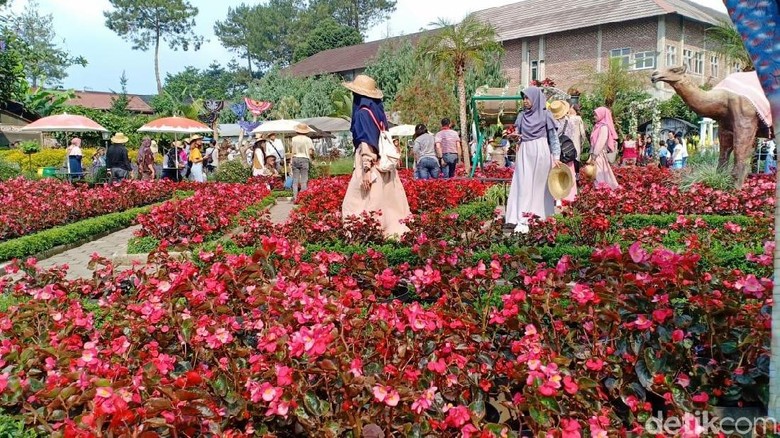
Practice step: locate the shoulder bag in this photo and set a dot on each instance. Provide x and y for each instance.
(568, 151)
(388, 156)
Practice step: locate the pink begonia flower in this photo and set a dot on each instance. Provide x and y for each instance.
(582, 294)
(356, 367)
(594, 364)
(469, 431)
(438, 366)
(380, 393)
(424, 402)
(570, 428)
(457, 416)
(637, 253)
(283, 375)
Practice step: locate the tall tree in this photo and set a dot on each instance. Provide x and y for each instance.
(150, 22)
(237, 32)
(327, 35)
(360, 15)
(44, 60)
(726, 41)
(13, 85)
(456, 48)
(122, 100)
(394, 66)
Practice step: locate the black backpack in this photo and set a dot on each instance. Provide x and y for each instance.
(172, 157)
(568, 151)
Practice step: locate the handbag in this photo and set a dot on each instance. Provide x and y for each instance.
(568, 151)
(388, 155)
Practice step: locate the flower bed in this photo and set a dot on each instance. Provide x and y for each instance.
(30, 206)
(251, 344)
(210, 210)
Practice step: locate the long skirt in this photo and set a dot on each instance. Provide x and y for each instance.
(197, 172)
(74, 165)
(529, 194)
(604, 173)
(386, 195)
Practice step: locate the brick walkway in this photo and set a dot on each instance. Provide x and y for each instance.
(77, 259)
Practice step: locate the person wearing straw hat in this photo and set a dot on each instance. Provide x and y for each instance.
(302, 151)
(563, 126)
(117, 160)
(196, 157)
(371, 190)
(538, 153)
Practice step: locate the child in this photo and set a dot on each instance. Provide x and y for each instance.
(663, 154)
(677, 154)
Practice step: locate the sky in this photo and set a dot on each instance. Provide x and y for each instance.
(80, 26)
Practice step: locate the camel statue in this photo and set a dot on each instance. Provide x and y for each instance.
(738, 105)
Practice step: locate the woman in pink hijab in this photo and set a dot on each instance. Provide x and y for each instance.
(603, 140)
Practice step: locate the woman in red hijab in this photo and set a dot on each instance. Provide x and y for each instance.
(603, 140)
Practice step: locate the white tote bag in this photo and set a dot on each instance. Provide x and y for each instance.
(388, 155)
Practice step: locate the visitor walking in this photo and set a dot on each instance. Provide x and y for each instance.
(677, 154)
(684, 152)
(275, 146)
(560, 110)
(75, 155)
(302, 151)
(172, 163)
(448, 141)
(196, 158)
(426, 153)
(145, 160)
(537, 153)
(210, 157)
(578, 129)
(117, 160)
(603, 140)
(372, 190)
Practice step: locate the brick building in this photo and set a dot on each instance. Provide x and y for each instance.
(564, 40)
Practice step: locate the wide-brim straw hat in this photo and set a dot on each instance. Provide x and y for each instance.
(119, 138)
(364, 86)
(194, 137)
(559, 109)
(560, 181)
(302, 128)
(260, 136)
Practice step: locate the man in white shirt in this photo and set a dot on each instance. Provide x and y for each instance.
(275, 147)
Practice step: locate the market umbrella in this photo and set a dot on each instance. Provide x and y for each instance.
(402, 131)
(174, 125)
(64, 123)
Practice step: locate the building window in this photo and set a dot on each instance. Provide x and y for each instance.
(671, 56)
(644, 60)
(698, 63)
(714, 70)
(688, 58)
(736, 67)
(624, 55)
(534, 70)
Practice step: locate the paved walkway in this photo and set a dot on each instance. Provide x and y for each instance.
(78, 258)
(281, 211)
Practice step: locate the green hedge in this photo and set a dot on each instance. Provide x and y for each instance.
(37, 243)
(14, 427)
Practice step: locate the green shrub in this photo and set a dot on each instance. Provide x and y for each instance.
(9, 170)
(45, 240)
(496, 194)
(706, 174)
(142, 245)
(232, 172)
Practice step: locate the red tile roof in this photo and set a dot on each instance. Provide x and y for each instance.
(102, 100)
(347, 58)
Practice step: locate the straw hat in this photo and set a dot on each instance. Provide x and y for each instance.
(194, 137)
(560, 182)
(589, 170)
(260, 136)
(559, 109)
(364, 86)
(302, 128)
(119, 138)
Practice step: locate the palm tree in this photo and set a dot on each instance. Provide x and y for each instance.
(728, 42)
(472, 43)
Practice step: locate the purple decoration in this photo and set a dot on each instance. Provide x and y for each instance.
(239, 109)
(248, 126)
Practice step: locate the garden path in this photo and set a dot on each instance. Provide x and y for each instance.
(281, 211)
(78, 258)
